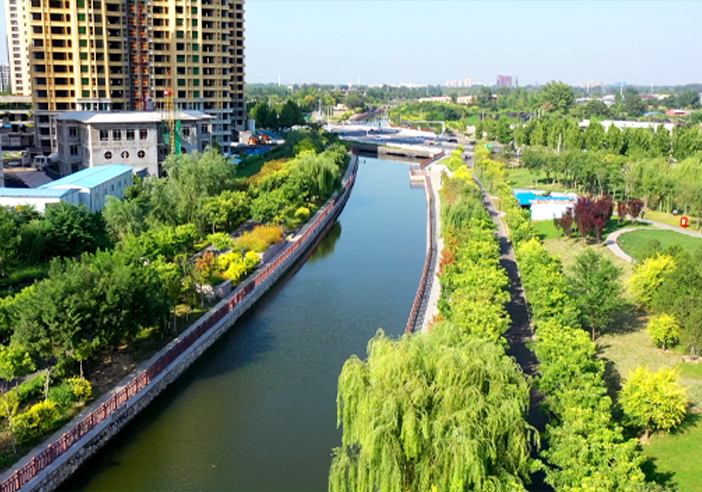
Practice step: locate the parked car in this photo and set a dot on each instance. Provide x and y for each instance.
(452, 140)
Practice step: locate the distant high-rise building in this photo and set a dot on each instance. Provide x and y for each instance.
(504, 81)
(460, 83)
(137, 55)
(17, 54)
(4, 77)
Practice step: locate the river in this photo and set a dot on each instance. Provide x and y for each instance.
(258, 411)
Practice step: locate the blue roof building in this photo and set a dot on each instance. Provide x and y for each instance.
(95, 184)
(37, 198)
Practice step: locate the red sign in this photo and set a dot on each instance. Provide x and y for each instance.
(684, 221)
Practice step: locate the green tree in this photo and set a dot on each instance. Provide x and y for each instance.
(560, 95)
(664, 331)
(633, 104)
(654, 400)
(124, 217)
(421, 414)
(290, 115)
(260, 113)
(484, 96)
(72, 229)
(224, 211)
(8, 237)
(596, 289)
(192, 178)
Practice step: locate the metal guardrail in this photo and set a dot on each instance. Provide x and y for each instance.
(28, 471)
(411, 322)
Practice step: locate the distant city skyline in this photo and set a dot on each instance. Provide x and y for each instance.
(338, 42)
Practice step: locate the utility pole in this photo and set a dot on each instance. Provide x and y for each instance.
(558, 152)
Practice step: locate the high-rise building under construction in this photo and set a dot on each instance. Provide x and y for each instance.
(112, 55)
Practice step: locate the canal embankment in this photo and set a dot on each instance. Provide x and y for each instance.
(50, 464)
(425, 307)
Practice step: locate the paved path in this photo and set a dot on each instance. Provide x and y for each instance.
(520, 333)
(432, 309)
(614, 246)
(661, 225)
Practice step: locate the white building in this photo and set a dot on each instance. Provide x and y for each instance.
(137, 139)
(94, 185)
(18, 54)
(37, 198)
(629, 124)
(549, 208)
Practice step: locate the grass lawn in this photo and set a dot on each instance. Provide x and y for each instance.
(632, 243)
(523, 178)
(670, 219)
(674, 458)
(568, 249)
(546, 230)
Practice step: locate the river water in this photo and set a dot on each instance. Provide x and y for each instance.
(258, 411)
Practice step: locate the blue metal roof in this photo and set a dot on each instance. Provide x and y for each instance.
(525, 198)
(35, 192)
(91, 177)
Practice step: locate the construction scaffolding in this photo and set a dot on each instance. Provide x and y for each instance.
(140, 54)
(171, 125)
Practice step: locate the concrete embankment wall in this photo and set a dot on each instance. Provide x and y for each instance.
(60, 456)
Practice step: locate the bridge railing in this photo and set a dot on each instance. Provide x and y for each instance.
(418, 298)
(30, 470)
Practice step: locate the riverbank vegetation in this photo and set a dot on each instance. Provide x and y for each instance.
(125, 282)
(577, 383)
(443, 410)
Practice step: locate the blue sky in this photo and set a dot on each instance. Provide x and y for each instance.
(335, 41)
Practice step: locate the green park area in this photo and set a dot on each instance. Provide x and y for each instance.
(635, 243)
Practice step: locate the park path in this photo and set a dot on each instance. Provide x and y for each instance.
(614, 246)
(520, 332)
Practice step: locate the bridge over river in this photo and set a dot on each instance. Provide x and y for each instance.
(258, 411)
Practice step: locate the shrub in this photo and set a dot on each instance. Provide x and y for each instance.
(260, 238)
(648, 277)
(62, 395)
(220, 240)
(33, 388)
(302, 213)
(654, 400)
(37, 421)
(235, 268)
(664, 331)
(80, 387)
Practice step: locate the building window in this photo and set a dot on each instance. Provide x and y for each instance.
(72, 131)
(130, 135)
(104, 136)
(141, 154)
(117, 135)
(125, 154)
(108, 155)
(143, 134)
(186, 132)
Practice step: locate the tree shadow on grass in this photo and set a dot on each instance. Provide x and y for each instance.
(628, 319)
(653, 475)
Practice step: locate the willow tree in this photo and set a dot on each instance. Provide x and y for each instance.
(424, 414)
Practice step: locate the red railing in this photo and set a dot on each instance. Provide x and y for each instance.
(426, 162)
(28, 471)
(427, 261)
